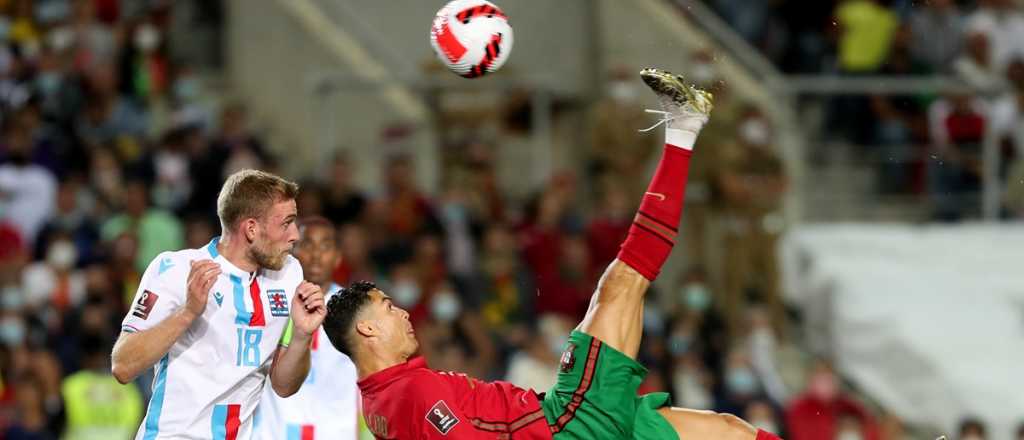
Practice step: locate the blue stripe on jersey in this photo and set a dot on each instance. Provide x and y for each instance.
(219, 422)
(294, 432)
(156, 402)
(242, 316)
(212, 247)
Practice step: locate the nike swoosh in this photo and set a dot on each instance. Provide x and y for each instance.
(658, 195)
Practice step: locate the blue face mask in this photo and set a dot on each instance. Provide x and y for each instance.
(48, 83)
(12, 332)
(678, 345)
(741, 381)
(697, 297)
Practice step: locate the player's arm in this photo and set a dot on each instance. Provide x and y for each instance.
(142, 343)
(291, 359)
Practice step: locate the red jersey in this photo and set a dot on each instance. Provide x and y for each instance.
(410, 401)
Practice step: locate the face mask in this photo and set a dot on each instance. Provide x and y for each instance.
(12, 332)
(5, 29)
(454, 213)
(406, 294)
(52, 12)
(622, 91)
(556, 344)
(678, 345)
(703, 73)
(755, 132)
(697, 297)
(60, 39)
(62, 255)
(12, 298)
(693, 394)
(851, 435)
(445, 307)
(186, 89)
(765, 425)
(741, 381)
(654, 322)
(147, 38)
(48, 83)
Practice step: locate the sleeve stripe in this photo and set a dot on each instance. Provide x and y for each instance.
(286, 337)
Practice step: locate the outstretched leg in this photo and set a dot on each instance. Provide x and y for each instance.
(615, 315)
(693, 424)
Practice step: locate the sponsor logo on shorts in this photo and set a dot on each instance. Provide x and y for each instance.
(568, 359)
(441, 417)
(144, 305)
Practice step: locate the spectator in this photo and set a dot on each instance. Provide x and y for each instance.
(343, 202)
(235, 141)
(818, 413)
(155, 229)
(692, 382)
(740, 385)
(31, 422)
(762, 415)
(972, 429)
(752, 182)
(531, 366)
(97, 406)
(610, 224)
(1020, 432)
(937, 32)
(762, 343)
(110, 119)
(73, 220)
(954, 171)
(616, 147)
(355, 256)
(866, 34)
(1003, 24)
(502, 284)
(27, 191)
(54, 283)
(977, 68)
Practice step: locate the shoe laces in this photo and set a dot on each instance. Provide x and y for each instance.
(666, 118)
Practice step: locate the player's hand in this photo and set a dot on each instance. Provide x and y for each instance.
(201, 277)
(308, 308)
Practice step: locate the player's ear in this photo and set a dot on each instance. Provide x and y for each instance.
(365, 328)
(249, 226)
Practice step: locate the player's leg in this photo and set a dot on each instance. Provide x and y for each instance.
(615, 316)
(695, 424)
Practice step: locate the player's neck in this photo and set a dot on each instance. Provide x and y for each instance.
(371, 363)
(236, 252)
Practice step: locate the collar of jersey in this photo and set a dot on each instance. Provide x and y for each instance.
(231, 268)
(385, 376)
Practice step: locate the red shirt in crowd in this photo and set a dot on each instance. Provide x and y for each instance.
(410, 401)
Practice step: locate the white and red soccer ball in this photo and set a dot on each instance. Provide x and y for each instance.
(471, 37)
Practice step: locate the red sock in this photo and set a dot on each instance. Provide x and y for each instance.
(655, 226)
(765, 435)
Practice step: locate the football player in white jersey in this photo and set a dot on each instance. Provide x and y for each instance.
(327, 405)
(213, 320)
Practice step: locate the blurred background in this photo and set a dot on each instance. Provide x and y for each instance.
(849, 266)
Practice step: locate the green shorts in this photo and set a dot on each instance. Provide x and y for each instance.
(596, 398)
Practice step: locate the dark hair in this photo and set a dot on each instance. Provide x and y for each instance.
(972, 424)
(342, 310)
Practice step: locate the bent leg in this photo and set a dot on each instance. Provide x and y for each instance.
(707, 425)
(616, 312)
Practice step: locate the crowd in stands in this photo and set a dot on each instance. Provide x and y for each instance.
(923, 143)
(109, 156)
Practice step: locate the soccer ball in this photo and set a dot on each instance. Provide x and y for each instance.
(471, 37)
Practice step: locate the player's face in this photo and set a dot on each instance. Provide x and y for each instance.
(276, 237)
(396, 330)
(318, 253)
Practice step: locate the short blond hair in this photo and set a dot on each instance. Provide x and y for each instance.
(250, 194)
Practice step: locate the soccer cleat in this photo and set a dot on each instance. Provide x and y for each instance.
(684, 106)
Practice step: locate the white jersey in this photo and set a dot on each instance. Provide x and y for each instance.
(327, 405)
(209, 384)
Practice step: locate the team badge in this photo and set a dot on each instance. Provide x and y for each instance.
(441, 417)
(278, 302)
(568, 359)
(144, 305)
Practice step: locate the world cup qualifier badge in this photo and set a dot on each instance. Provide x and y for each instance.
(144, 305)
(278, 302)
(568, 359)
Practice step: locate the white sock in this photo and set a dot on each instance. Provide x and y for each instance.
(684, 139)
